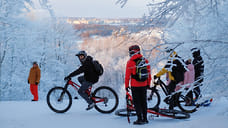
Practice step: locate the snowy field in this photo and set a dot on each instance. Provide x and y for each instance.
(27, 114)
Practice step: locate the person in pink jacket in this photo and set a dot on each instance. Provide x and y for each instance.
(189, 78)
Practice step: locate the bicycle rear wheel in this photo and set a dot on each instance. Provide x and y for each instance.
(123, 112)
(176, 114)
(108, 99)
(185, 103)
(59, 100)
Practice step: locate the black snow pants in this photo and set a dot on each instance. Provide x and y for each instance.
(140, 102)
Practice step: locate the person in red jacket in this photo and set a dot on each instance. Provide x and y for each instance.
(138, 88)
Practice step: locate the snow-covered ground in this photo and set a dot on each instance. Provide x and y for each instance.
(27, 114)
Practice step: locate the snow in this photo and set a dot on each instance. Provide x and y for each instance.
(53, 44)
(27, 114)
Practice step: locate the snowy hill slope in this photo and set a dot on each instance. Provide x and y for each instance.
(26, 114)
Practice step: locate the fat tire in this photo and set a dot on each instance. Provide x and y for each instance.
(99, 109)
(52, 107)
(157, 96)
(123, 112)
(176, 114)
(181, 105)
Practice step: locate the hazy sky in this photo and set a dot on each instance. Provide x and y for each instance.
(99, 8)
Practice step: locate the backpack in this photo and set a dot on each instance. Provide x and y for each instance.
(141, 70)
(178, 70)
(98, 67)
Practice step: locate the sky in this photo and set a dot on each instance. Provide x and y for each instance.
(99, 8)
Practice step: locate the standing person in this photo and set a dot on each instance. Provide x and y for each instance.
(34, 80)
(199, 70)
(189, 78)
(90, 76)
(175, 69)
(138, 86)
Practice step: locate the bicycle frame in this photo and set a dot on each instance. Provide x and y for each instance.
(162, 85)
(130, 107)
(88, 91)
(181, 94)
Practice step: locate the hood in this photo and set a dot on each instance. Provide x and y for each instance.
(88, 59)
(136, 56)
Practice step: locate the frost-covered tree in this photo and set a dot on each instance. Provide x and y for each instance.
(112, 53)
(9, 26)
(198, 19)
(194, 23)
(26, 37)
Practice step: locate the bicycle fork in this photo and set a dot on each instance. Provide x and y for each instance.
(63, 92)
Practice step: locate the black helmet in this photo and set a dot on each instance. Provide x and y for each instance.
(168, 50)
(134, 49)
(82, 53)
(195, 52)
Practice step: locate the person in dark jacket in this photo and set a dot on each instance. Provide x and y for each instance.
(138, 88)
(90, 76)
(175, 69)
(199, 70)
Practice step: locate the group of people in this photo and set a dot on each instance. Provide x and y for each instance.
(178, 72)
(190, 73)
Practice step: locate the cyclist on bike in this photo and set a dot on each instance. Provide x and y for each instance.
(138, 87)
(90, 76)
(175, 67)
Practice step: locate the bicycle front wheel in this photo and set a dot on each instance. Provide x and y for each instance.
(106, 99)
(59, 100)
(176, 114)
(185, 103)
(153, 99)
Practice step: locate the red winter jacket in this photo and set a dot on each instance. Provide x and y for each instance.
(131, 69)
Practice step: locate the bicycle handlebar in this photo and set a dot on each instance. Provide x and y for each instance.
(158, 82)
(68, 79)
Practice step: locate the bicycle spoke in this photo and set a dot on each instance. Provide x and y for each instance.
(106, 99)
(58, 100)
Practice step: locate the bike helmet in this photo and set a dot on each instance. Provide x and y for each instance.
(195, 52)
(134, 49)
(82, 53)
(168, 50)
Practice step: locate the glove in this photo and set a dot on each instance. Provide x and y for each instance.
(148, 86)
(28, 81)
(127, 89)
(36, 83)
(155, 77)
(66, 78)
